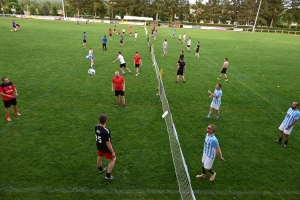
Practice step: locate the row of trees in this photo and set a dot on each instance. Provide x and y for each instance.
(272, 12)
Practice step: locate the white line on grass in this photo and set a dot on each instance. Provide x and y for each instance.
(141, 191)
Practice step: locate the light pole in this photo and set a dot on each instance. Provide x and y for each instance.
(63, 7)
(253, 28)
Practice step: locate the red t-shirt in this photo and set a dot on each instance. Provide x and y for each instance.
(110, 31)
(118, 82)
(7, 89)
(137, 59)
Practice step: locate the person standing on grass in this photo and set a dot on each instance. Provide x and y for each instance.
(180, 69)
(154, 35)
(179, 38)
(224, 69)
(183, 38)
(197, 49)
(211, 148)
(189, 43)
(14, 26)
(181, 56)
(122, 63)
(286, 127)
(165, 46)
(104, 147)
(84, 40)
(174, 33)
(110, 33)
(216, 102)
(118, 85)
(123, 31)
(9, 93)
(121, 41)
(135, 36)
(104, 40)
(137, 60)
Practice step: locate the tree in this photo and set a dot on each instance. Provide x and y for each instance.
(54, 11)
(46, 9)
(32, 10)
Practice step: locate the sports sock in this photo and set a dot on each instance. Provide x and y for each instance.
(107, 175)
(100, 169)
(217, 116)
(286, 142)
(118, 103)
(208, 115)
(280, 139)
(7, 116)
(203, 170)
(211, 171)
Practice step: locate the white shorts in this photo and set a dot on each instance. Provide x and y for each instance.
(287, 132)
(207, 162)
(165, 49)
(215, 106)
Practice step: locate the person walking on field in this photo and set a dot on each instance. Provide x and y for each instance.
(211, 148)
(165, 46)
(216, 102)
(137, 60)
(104, 147)
(9, 93)
(224, 69)
(118, 85)
(180, 70)
(286, 127)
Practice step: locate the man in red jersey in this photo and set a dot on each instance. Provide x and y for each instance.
(118, 85)
(9, 93)
(137, 60)
(110, 34)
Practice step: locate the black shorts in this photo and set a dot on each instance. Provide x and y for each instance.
(84, 41)
(121, 42)
(123, 65)
(224, 71)
(8, 103)
(180, 72)
(119, 93)
(137, 65)
(110, 34)
(188, 45)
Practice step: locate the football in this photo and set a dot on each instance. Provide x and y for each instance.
(91, 72)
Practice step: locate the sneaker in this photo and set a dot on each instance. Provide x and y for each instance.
(216, 118)
(103, 170)
(218, 78)
(200, 176)
(124, 106)
(284, 146)
(130, 72)
(8, 119)
(17, 113)
(213, 176)
(226, 79)
(277, 141)
(123, 73)
(137, 74)
(109, 178)
(176, 81)
(206, 117)
(183, 81)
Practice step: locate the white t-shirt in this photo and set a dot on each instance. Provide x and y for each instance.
(135, 35)
(121, 58)
(91, 52)
(189, 42)
(165, 44)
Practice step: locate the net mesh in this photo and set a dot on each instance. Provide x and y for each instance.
(181, 170)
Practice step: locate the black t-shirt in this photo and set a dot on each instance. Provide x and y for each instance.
(102, 136)
(198, 46)
(181, 57)
(181, 66)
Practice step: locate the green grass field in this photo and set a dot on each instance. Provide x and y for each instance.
(49, 152)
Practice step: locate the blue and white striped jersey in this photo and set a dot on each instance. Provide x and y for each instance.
(210, 145)
(217, 99)
(291, 115)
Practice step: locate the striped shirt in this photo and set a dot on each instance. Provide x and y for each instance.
(210, 145)
(291, 115)
(217, 100)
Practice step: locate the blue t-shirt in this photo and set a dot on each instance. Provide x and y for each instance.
(84, 36)
(104, 40)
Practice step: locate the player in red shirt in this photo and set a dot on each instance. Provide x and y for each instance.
(110, 34)
(9, 93)
(118, 85)
(119, 33)
(137, 60)
(130, 32)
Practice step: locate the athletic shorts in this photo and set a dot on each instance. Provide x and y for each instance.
(180, 72)
(223, 70)
(121, 42)
(165, 49)
(207, 162)
(197, 50)
(137, 65)
(188, 45)
(179, 40)
(215, 106)
(106, 154)
(110, 34)
(119, 93)
(287, 132)
(84, 41)
(123, 65)
(8, 103)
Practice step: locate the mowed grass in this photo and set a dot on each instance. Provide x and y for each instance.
(49, 152)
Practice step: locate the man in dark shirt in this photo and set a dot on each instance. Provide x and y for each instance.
(180, 70)
(104, 147)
